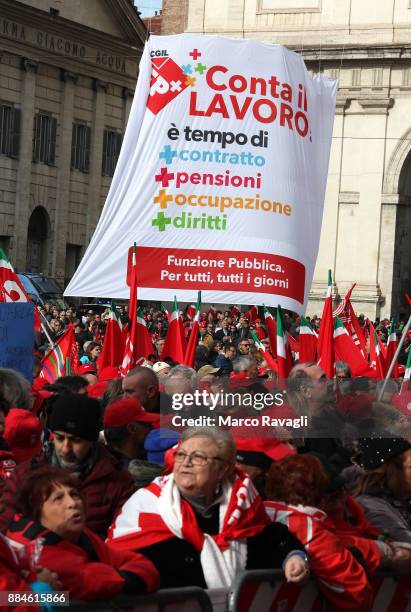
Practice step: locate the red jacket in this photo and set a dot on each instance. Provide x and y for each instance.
(357, 533)
(89, 569)
(105, 488)
(341, 578)
(10, 576)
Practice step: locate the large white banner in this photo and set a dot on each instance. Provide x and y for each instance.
(221, 177)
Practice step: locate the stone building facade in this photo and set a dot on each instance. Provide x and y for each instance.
(68, 70)
(366, 45)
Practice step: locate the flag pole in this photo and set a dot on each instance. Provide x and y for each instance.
(394, 359)
(50, 341)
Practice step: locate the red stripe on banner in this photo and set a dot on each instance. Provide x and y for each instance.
(219, 271)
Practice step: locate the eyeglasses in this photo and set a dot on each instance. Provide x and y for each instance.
(195, 458)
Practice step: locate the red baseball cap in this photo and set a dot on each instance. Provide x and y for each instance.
(23, 434)
(128, 410)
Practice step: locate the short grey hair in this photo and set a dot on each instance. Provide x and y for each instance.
(222, 439)
(15, 389)
(241, 364)
(343, 365)
(182, 372)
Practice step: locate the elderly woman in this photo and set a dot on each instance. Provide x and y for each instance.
(205, 523)
(385, 489)
(53, 524)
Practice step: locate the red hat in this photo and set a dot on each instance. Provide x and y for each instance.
(23, 434)
(271, 447)
(87, 368)
(98, 389)
(128, 410)
(108, 373)
(39, 396)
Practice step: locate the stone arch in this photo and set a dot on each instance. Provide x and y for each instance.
(38, 238)
(396, 163)
(401, 273)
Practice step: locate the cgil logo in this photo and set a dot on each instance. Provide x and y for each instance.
(159, 53)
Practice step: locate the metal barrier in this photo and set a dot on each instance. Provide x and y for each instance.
(255, 591)
(186, 599)
(266, 591)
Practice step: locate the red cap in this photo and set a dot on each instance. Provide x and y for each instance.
(87, 368)
(128, 410)
(108, 373)
(23, 434)
(98, 389)
(271, 447)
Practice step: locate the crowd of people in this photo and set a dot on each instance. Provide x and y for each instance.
(100, 494)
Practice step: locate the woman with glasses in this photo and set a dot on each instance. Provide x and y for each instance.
(205, 523)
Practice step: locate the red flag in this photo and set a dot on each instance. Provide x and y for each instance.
(271, 331)
(62, 360)
(346, 350)
(211, 314)
(191, 311)
(144, 346)
(325, 339)
(190, 354)
(346, 314)
(376, 357)
(251, 314)
(11, 289)
(114, 344)
(308, 342)
(173, 345)
(129, 358)
(408, 298)
(234, 310)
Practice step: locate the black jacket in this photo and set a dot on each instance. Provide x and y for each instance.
(179, 565)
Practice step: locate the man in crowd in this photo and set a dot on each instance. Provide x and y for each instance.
(126, 427)
(311, 394)
(225, 362)
(106, 485)
(141, 383)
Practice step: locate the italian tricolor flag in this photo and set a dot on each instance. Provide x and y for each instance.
(190, 355)
(392, 346)
(308, 342)
(174, 346)
(271, 363)
(11, 289)
(407, 375)
(325, 338)
(284, 357)
(271, 330)
(129, 358)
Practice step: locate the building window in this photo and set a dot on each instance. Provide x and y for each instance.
(80, 147)
(5, 243)
(111, 151)
(9, 130)
(44, 143)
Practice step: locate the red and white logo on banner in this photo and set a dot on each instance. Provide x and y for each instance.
(167, 82)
